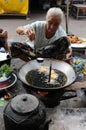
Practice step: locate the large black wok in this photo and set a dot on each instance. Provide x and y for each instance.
(56, 64)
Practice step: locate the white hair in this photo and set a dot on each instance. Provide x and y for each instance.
(54, 11)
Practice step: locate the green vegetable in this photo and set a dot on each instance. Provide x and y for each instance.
(5, 69)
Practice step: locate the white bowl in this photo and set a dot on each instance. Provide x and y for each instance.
(40, 59)
(4, 79)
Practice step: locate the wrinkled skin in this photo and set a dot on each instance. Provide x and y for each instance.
(52, 24)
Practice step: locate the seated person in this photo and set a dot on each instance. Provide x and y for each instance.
(43, 35)
(3, 40)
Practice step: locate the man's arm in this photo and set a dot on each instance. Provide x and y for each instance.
(69, 54)
(29, 32)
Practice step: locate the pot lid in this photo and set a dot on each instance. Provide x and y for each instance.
(24, 103)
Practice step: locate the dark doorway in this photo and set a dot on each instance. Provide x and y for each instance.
(39, 5)
(34, 5)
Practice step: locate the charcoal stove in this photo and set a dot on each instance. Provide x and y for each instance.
(51, 99)
(54, 93)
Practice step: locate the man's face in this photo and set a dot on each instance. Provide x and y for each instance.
(52, 23)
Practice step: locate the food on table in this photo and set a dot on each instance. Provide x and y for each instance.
(77, 61)
(5, 72)
(75, 39)
(78, 64)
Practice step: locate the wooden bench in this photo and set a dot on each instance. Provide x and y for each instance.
(78, 10)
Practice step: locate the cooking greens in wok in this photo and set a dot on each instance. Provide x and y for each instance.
(62, 74)
(40, 77)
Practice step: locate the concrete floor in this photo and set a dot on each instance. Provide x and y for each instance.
(62, 118)
(75, 26)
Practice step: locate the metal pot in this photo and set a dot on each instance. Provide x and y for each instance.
(64, 67)
(25, 112)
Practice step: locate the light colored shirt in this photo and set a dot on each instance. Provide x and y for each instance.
(41, 40)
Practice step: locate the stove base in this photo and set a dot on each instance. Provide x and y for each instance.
(51, 99)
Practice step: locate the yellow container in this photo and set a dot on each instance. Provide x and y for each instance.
(14, 6)
(84, 70)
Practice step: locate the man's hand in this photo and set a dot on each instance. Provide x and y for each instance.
(30, 32)
(68, 56)
(4, 34)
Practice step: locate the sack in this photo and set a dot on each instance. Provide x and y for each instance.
(14, 6)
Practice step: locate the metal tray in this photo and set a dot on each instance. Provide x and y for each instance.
(81, 45)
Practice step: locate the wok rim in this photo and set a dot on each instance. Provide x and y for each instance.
(42, 88)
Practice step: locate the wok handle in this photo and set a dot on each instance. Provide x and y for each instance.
(45, 126)
(68, 94)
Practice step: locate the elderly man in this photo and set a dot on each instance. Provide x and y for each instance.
(45, 35)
